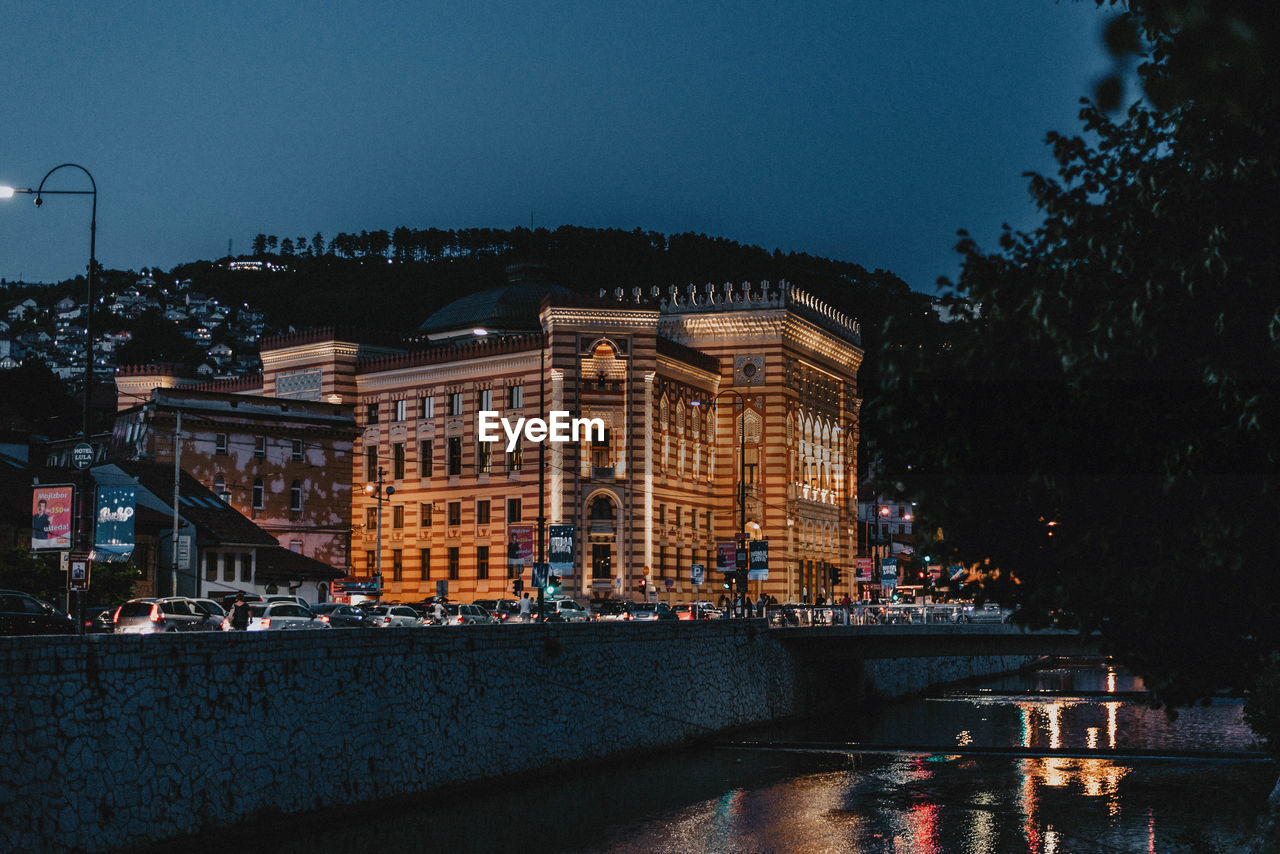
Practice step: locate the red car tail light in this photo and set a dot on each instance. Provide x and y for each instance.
(266, 622)
(156, 616)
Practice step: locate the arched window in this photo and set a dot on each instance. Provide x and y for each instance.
(601, 509)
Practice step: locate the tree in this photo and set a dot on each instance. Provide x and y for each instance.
(1094, 432)
(259, 245)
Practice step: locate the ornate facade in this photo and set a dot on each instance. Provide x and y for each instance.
(698, 391)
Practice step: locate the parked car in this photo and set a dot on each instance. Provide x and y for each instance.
(392, 616)
(468, 614)
(97, 619)
(566, 610)
(338, 615)
(282, 617)
(23, 614)
(167, 614)
(614, 610)
(685, 611)
(652, 611)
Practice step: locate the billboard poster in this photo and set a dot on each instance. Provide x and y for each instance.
(113, 533)
(758, 560)
(726, 555)
(51, 511)
(865, 565)
(889, 572)
(561, 542)
(519, 545)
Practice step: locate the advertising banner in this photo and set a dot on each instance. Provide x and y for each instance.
(51, 512)
(726, 555)
(758, 560)
(519, 545)
(865, 565)
(889, 572)
(561, 542)
(113, 533)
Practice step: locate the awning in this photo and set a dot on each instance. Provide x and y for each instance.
(280, 564)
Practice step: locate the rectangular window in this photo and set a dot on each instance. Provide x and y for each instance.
(662, 515)
(246, 568)
(428, 409)
(295, 452)
(295, 496)
(370, 560)
(259, 494)
(482, 511)
(515, 459)
(515, 397)
(453, 563)
(370, 518)
(424, 514)
(513, 510)
(220, 444)
(601, 560)
(482, 562)
(455, 456)
(397, 564)
(371, 463)
(397, 516)
(455, 513)
(455, 403)
(211, 566)
(600, 456)
(371, 413)
(228, 567)
(424, 562)
(752, 465)
(486, 399)
(484, 457)
(397, 461)
(401, 408)
(260, 447)
(424, 459)
(662, 561)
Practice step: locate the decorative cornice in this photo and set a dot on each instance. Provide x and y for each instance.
(451, 371)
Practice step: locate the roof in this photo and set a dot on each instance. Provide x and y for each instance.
(513, 307)
(216, 521)
(281, 564)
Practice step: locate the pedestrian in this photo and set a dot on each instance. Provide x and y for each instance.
(239, 616)
(526, 608)
(439, 615)
(746, 607)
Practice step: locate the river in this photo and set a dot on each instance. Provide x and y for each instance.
(1174, 785)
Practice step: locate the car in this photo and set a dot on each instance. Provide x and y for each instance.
(987, 613)
(613, 610)
(566, 610)
(23, 614)
(392, 616)
(282, 617)
(97, 619)
(685, 611)
(297, 600)
(338, 615)
(228, 599)
(147, 616)
(501, 610)
(213, 607)
(652, 611)
(468, 614)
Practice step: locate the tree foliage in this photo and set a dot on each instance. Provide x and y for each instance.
(1096, 432)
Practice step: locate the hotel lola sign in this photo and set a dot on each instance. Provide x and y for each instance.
(559, 427)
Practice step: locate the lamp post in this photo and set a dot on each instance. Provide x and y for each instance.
(84, 516)
(742, 468)
(379, 494)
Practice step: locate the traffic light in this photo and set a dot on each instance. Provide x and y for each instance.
(641, 585)
(553, 585)
(517, 586)
(837, 576)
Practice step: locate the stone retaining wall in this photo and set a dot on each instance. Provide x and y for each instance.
(111, 741)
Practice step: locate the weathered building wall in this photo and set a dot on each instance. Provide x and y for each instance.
(111, 741)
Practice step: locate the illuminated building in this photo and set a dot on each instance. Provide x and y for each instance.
(657, 490)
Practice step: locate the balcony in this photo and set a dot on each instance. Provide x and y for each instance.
(602, 473)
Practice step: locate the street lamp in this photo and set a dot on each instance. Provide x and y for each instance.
(83, 537)
(379, 493)
(742, 468)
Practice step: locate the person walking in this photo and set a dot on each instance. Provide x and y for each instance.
(526, 608)
(239, 616)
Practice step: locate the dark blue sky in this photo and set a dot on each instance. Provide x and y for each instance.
(867, 132)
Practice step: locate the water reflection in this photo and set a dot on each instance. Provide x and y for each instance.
(738, 800)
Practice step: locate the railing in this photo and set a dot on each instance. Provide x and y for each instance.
(784, 616)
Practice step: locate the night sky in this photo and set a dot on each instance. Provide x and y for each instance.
(861, 131)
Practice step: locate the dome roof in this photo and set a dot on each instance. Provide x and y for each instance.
(510, 308)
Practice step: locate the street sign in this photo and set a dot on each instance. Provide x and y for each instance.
(78, 577)
(697, 574)
(670, 582)
(82, 455)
